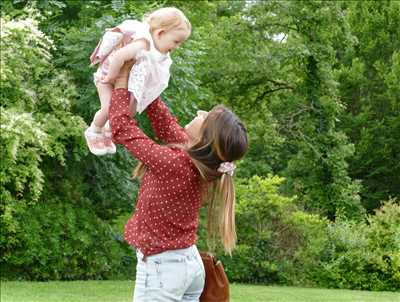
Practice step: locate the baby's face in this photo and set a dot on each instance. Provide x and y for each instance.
(168, 41)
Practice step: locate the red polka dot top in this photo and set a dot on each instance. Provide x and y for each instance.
(167, 210)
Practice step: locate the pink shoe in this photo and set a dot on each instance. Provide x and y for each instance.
(95, 142)
(110, 146)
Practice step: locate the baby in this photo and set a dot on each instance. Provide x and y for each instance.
(148, 44)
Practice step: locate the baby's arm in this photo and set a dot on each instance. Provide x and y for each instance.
(122, 55)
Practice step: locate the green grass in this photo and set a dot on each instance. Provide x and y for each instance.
(121, 291)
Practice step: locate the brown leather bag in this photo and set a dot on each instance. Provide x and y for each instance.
(216, 288)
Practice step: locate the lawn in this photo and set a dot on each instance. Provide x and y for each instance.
(121, 291)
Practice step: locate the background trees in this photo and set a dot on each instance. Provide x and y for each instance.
(369, 87)
(317, 84)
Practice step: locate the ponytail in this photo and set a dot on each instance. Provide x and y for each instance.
(221, 214)
(227, 228)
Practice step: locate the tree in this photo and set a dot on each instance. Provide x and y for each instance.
(45, 214)
(369, 77)
(278, 75)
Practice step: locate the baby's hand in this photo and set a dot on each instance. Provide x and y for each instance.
(106, 80)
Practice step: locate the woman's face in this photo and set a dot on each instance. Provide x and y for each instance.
(194, 127)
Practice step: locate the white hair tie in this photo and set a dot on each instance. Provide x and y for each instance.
(227, 168)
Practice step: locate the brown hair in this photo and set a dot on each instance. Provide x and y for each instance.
(223, 139)
(167, 18)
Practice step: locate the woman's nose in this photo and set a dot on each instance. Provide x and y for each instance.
(202, 113)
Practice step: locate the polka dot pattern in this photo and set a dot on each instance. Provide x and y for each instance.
(167, 211)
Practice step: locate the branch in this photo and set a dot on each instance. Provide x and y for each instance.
(283, 86)
(280, 83)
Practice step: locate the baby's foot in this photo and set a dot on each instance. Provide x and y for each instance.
(110, 146)
(95, 142)
(111, 149)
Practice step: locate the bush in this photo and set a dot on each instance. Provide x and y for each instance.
(50, 228)
(363, 255)
(78, 245)
(271, 232)
(280, 243)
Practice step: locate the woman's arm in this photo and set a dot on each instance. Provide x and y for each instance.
(164, 124)
(122, 80)
(161, 159)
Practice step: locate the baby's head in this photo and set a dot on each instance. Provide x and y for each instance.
(169, 28)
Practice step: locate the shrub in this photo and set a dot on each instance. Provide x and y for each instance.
(280, 243)
(50, 228)
(363, 255)
(60, 241)
(271, 232)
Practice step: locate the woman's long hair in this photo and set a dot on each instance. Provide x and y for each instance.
(223, 139)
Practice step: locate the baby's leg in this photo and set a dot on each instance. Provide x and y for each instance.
(94, 136)
(132, 112)
(101, 116)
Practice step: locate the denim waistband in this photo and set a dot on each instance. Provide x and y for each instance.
(171, 255)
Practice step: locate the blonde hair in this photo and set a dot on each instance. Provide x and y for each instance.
(223, 138)
(167, 18)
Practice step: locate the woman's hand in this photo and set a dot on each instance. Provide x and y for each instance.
(122, 79)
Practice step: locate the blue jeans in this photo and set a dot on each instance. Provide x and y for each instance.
(171, 276)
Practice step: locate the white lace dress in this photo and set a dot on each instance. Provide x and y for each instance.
(149, 75)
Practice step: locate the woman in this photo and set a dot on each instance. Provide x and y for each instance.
(196, 164)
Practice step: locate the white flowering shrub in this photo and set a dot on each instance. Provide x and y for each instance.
(36, 120)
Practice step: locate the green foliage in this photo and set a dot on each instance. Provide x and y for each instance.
(278, 76)
(280, 243)
(36, 121)
(317, 171)
(78, 244)
(36, 117)
(41, 169)
(271, 231)
(369, 77)
(361, 255)
(77, 31)
(317, 84)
